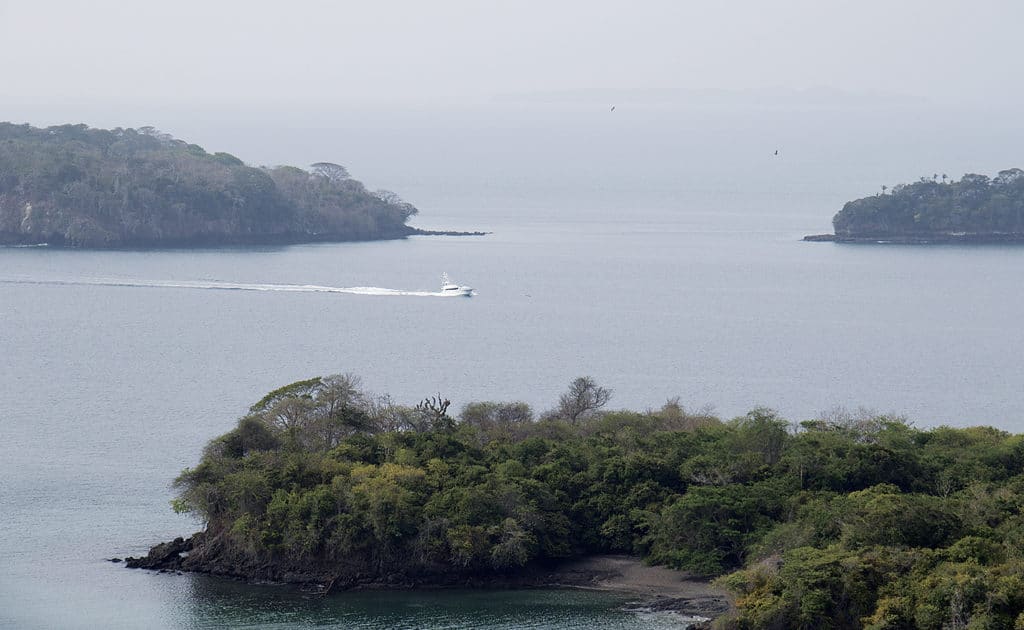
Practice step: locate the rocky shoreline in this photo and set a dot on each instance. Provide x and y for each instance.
(657, 589)
(56, 241)
(419, 232)
(980, 238)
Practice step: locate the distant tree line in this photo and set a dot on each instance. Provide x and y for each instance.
(77, 186)
(932, 206)
(845, 521)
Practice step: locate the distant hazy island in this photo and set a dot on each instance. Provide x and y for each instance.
(76, 186)
(846, 521)
(975, 209)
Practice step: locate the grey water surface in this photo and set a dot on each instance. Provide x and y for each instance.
(646, 255)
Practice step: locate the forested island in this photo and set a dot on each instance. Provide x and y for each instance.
(845, 521)
(75, 186)
(975, 209)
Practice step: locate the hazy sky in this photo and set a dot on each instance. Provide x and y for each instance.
(200, 54)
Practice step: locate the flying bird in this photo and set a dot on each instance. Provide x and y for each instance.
(776, 151)
(613, 108)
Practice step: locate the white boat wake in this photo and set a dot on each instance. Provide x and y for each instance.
(214, 285)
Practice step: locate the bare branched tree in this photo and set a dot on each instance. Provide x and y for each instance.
(333, 172)
(388, 197)
(342, 409)
(584, 398)
(340, 391)
(393, 200)
(436, 409)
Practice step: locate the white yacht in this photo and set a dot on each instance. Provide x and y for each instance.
(449, 288)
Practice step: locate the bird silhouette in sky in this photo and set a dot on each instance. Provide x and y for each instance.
(613, 108)
(776, 151)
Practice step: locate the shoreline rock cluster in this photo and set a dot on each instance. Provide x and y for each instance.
(657, 589)
(11, 239)
(922, 239)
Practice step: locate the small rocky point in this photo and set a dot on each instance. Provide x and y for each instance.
(165, 556)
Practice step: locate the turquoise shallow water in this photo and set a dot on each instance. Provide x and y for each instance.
(658, 273)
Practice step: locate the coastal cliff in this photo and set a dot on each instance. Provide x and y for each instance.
(75, 186)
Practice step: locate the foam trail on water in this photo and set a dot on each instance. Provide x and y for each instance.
(225, 286)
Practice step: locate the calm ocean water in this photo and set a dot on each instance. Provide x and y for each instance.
(659, 254)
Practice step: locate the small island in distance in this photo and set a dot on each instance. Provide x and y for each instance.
(975, 209)
(75, 186)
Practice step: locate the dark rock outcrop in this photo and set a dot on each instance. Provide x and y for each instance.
(165, 556)
(924, 239)
(419, 232)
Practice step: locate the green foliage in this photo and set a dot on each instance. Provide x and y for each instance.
(710, 528)
(73, 185)
(299, 389)
(841, 523)
(975, 204)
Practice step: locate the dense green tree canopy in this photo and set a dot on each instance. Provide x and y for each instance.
(932, 208)
(846, 521)
(73, 185)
